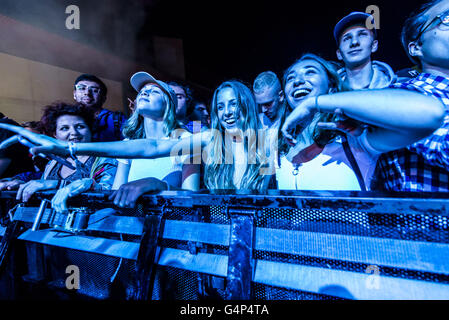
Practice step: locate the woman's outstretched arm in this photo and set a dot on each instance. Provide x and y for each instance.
(140, 148)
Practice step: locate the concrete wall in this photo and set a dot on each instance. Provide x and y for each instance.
(26, 86)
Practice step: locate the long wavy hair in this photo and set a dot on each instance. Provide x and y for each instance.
(313, 133)
(134, 127)
(219, 168)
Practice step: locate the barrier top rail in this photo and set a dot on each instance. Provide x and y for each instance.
(370, 202)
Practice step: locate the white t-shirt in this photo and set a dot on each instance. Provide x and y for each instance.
(160, 168)
(330, 170)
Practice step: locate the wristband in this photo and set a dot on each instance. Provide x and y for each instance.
(72, 149)
(316, 104)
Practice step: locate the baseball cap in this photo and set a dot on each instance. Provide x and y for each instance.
(141, 78)
(352, 19)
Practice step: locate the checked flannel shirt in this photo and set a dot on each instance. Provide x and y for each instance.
(424, 165)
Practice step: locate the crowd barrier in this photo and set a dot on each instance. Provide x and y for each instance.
(283, 245)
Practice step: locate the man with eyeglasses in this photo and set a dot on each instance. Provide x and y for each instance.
(356, 43)
(91, 92)
(424, 165)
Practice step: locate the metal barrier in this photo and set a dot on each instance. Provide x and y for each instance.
(192, 246)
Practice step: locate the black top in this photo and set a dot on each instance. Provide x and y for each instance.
(21, 159)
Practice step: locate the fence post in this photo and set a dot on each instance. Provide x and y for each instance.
(240, 258)
(146, 266)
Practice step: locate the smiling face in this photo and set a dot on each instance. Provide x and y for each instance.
(356, 46)
(306, 78)
(72, 128)
(151, 102)
(228, 110)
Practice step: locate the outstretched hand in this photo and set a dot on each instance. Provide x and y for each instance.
(42, 143)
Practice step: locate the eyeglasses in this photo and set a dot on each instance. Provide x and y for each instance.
(82, 87)
(441, 18)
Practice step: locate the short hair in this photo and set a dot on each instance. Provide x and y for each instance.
(413, 26)
(53, 111)
(266, 79)
(187, 90)
(33, 125)
(91, 77)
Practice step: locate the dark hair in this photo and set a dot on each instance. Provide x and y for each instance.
(53, 111)
(91, 77)
(187, 90)
(34, 125)
(413, 26)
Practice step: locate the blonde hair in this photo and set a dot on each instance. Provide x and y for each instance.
(219, 174)
(134, 126)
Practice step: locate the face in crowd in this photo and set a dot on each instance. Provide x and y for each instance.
(228, 110)
(151, 102)
(269, 101)
(72, 128)
(181, 110)
(88, 93)
(306, 78)
(432, 45)
(356, 45)
(200, 112)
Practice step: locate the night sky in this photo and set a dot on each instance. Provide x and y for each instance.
(239, 39)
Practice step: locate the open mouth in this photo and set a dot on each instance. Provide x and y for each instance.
(230, 122)
(301, 93)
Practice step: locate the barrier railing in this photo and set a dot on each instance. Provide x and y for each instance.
(281, 245)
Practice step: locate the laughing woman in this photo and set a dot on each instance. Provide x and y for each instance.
(320, 159)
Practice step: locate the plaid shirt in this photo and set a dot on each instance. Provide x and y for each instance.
(424, 165)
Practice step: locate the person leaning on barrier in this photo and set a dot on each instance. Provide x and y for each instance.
(154, 117)
(395, 118)
(232, 159)
(70, 123)
(423, 165)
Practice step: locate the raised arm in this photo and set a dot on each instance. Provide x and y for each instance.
(399, 117)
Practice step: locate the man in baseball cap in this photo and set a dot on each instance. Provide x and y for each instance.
(356, 40)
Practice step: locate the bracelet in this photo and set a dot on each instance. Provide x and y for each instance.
(72, 149)
(316, 104)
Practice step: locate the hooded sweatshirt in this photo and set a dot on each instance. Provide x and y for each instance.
(383, 75)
